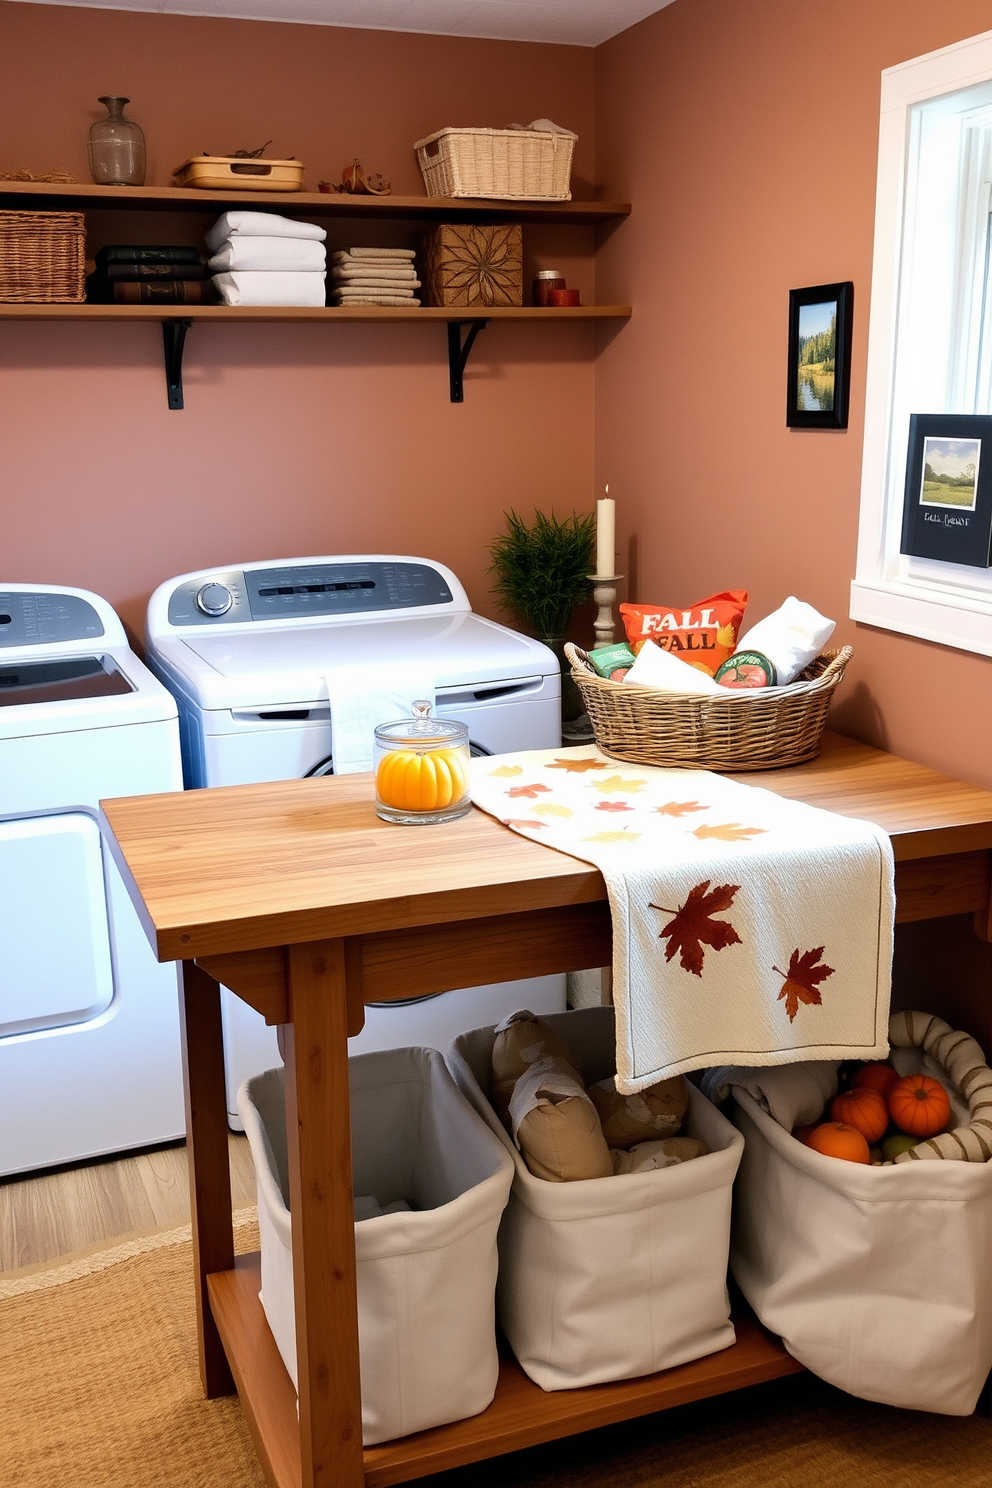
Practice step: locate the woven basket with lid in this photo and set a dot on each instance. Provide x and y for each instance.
(763, 729)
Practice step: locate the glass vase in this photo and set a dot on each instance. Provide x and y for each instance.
(116, 148)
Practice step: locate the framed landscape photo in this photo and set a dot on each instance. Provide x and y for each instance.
(820, 320)
(947, 508)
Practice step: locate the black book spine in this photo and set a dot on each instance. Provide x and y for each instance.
(127, 254)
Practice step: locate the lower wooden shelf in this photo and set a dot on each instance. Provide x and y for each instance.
(329, 314)
(522, 1414)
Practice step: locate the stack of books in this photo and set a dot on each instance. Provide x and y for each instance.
(129, 274)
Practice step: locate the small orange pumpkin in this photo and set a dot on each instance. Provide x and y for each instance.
(919, 1105)
(863, 1109)
(430, 780)
(836, 1139)
(876, 1076)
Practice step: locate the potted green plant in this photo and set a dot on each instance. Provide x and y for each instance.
(541, 574)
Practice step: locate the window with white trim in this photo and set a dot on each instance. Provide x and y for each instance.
(930, 333)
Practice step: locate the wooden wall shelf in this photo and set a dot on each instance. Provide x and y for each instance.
(28, 194)
(177, 319)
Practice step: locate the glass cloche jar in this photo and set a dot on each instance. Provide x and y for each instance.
(116, 147)
(422, 769)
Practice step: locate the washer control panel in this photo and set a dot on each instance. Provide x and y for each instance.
(38, 618)
(300, 592)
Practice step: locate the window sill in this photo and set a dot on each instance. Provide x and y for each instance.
(948, 620)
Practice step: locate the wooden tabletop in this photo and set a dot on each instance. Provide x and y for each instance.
(244, 867)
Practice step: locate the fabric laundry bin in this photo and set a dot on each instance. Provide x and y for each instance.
(426, 1277)
(878, 1279)
(610, 1278)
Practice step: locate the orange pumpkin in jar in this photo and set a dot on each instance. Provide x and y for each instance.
(413, 780)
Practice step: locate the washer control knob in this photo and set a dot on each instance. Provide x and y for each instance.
(214, 599)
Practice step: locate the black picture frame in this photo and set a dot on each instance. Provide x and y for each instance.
(819, 386)
(949, 520)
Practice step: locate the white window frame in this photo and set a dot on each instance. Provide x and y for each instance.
(937, 604)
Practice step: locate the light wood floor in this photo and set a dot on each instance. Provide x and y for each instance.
(58, 1213)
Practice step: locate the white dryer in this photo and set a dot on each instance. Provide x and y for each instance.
(89, 1021)
(245, 651)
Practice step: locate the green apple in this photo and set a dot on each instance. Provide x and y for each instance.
(900, 1142)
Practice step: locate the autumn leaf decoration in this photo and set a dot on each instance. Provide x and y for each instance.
(801, 980)
(679, 808)
(530, 791)
(525, 822)
(693, 926)
(576, 766)
(505, 770)
(727, 832)
(613, 806)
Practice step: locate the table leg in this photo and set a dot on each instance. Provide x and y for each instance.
(209, 1161)
(318, 1126)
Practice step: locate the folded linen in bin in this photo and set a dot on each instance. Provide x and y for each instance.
(610, 1278)
(426, 1279)
(877, 1279)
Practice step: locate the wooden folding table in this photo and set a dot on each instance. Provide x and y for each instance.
(296, 896)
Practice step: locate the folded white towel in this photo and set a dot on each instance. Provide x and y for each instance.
(361, 698)
(260, 224)
(270, 288)
(368, 298)
(341, 255)
(657, 668)
(791, 637)
(284, 255)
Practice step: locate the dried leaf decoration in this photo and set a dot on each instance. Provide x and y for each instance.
(801, 979)
(612, 837)
(726, 636)
(530, 791)
(576, 766)
(522, 821)
(547, 809)
(615, 783)
(613, 806)
(693, 925)
(679, 808)
(727, 832)
(506, 771)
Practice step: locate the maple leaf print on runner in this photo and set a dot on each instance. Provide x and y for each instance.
(505, 770)
(546, 809)
(576, 766)
(615, 783)
(801, 978)
(530, 791)
(613, 806)
(522, 821)
(620, 836)
(693, 925)
(727, 832)
(680, 808)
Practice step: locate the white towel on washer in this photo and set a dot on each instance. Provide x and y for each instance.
(285, 255)
(270, 288)
(364, 696)
(260, 224)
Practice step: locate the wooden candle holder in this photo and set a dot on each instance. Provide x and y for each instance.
(604, 592)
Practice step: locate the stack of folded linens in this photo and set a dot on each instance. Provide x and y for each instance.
(374, 276)
(261, 259)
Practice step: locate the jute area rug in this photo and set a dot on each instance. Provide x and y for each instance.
(99, 1389)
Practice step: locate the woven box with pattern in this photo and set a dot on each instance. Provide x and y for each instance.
(474, 265)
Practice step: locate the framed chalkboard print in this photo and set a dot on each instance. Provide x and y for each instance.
(820, 320)
(947, 509)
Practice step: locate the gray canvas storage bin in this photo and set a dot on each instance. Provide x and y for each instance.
(879, 1280)
(426, 1279)
(610, 1278)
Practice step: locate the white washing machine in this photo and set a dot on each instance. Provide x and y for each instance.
(246, 651)
(89, 1020)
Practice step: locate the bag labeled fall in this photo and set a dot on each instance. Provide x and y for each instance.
(703, 634)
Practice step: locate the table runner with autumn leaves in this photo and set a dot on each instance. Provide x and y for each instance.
(747, 929)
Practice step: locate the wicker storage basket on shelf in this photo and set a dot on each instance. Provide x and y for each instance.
(42, 258)
(759, 730)
(507, 164)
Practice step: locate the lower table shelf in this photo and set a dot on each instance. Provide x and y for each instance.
(522, 1414)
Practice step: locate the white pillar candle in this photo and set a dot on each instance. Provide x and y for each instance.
(606, 536)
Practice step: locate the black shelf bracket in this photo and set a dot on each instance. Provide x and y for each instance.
(174, 341)
(458, 352)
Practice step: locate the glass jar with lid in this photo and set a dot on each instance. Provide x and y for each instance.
(422, 769)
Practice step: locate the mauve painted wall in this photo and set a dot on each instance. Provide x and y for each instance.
(294, 439)
(746, 136)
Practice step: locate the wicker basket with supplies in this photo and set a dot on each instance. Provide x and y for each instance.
(764, 729)
(42, 258)
(506, 164)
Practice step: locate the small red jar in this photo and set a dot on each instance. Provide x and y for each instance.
(564, 297)
(547, 281)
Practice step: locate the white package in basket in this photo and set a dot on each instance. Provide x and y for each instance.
(610, 1278)
(426, 1279)
(877, 1279)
